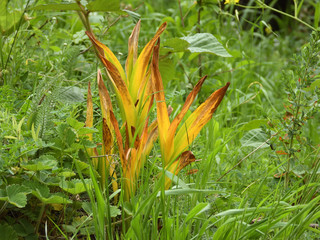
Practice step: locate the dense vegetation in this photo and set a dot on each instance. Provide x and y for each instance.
(82, 157)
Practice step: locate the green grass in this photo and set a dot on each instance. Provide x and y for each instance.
(48, 186)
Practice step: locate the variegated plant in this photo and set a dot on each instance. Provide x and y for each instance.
(174, 143)
(134, 94)
(135, 89)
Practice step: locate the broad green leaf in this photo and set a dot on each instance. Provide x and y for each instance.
(89, 145)
(74, 123)
(15, 194)
(175, 45)
(86, 130)
(75, 186)
(7, 232)
(56, 198)
(254, 138)
(114, 211)
(167, 70)
(93, 6)
(256, 123)
(8, 19)
(57, 7)
(104, 6)
(205, 43)
(67, 174)
(44, 162)
(42, 192)
(71, 95)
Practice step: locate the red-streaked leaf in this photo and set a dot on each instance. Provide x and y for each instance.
(126, 101)
(153, 133)
(108, 159)
(132, 50)
(195, 122)
(144, 97)
(105, 99)
(142, 144)
(184, 160)
(141, 65)
(107, 137)
(105, 52)
(119, 139)
(89, 118)
(162, 113)
(177, 120)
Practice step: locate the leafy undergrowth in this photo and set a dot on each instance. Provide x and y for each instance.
(254, 172)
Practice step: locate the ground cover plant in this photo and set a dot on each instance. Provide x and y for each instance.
(159, 119)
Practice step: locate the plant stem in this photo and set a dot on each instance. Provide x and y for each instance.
(295, 124)
(198, 31)
(181, 15)
(283, 13)
(263, 5)
(239, 162)
(15, 38)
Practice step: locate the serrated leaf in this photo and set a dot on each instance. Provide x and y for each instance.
(7, 232)
(44, 162)
(88, 144)
(86, 130)
(42, 192)
(75, 123)
(67, 174)
(57, 198)
(205, 43)
(114, 211)
(17, 195)
(74, 186)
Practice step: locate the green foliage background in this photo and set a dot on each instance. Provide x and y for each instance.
(48, 187)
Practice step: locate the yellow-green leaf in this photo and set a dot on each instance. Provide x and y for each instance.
(132, 50)
(141, 65)
(197, 120)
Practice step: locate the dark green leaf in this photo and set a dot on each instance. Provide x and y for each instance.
(44, 162)
(205, 43)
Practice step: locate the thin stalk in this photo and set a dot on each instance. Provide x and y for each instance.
(181, 15)
(41, 214)
(15, 37)
(198, 31)
(263, 5)
(84, 16)
(295, 124)
(239, 162)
